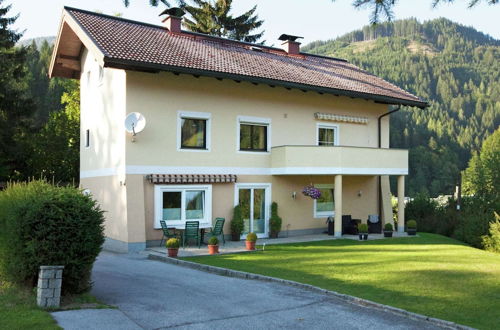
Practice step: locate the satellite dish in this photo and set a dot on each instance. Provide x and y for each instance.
(135, 123)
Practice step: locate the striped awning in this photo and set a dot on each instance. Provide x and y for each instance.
(341, 118)
(191, 178)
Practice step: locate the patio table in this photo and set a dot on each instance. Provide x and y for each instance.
(203, 227)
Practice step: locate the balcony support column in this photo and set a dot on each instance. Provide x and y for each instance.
(401, 204)
(338, 206)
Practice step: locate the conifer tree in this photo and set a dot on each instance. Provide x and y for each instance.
(15, 107)
(213, 17)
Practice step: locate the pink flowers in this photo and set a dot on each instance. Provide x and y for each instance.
(312, 192)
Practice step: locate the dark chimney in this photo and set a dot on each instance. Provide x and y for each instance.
(174, 19)
(290, 44)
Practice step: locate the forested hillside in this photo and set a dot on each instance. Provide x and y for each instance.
(455, 68)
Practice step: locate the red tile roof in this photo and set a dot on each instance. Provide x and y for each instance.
(126, 43)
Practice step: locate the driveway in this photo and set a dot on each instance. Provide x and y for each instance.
(154, 295)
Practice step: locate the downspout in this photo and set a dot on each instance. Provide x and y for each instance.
(380, 146)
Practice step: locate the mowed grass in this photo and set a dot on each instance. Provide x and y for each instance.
(431, 274)
(18, 310)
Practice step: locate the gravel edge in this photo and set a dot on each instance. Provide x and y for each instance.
(347, 298)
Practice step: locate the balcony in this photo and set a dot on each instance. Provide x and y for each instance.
(297, 160)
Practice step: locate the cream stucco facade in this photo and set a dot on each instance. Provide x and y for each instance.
(114, 166)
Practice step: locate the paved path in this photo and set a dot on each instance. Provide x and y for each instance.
(155, 295)
(236, 247)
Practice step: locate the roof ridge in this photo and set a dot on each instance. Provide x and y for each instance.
(216, 38)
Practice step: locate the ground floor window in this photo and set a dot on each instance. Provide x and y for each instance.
(178, 204)
(325, 205)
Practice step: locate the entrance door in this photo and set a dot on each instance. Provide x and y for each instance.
(254, 202)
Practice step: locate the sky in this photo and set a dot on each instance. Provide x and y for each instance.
(313, 19)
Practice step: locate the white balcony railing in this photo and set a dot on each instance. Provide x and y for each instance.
(296, 160)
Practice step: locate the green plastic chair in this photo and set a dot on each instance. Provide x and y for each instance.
(218, 229)
(191, 230)
(167, 232)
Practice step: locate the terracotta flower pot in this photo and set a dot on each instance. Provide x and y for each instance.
(250, 245)
(173, 252)
(213, 249)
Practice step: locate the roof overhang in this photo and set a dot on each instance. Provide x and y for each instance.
(152, 67)
(68, 48)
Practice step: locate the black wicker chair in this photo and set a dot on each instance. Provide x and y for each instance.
(374, 224)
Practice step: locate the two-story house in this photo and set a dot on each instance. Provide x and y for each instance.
(227, 123)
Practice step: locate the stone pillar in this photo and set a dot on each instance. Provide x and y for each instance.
(401, 204)
(49, 286)
(338, 205)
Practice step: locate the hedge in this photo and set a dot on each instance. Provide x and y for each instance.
(43, 224)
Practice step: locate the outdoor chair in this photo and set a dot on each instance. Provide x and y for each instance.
(167, 232)
(349, 226)
(374, 224)
(191, 231)
(218, 229)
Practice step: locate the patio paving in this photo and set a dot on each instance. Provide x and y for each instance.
(239, 247)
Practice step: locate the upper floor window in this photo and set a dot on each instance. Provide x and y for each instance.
(193, 131)
(254, 134)
(327, 135)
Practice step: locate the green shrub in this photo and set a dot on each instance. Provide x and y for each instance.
(431, 217)
(252, 237)
(213, 241)
(474, 221)
(388, 227)
(237, 221)
(173, 243)
(491, 242)
(42, 224)
(275, 220)
(411, 224)
(363, 228)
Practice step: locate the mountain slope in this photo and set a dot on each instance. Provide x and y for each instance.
(455, 68)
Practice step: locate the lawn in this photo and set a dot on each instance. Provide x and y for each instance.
(431, 274)
(18, 309)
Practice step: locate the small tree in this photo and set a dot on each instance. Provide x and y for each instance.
(237, 223)
(275, 220)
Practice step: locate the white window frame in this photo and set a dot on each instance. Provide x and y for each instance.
(194, 115)
(87, 138)
(256, 121)
(328, 126)
(268, 189)
(158, 204)
(323, 214)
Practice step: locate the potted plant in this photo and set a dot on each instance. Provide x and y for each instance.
(250, 242)
(275, 221)
(213, 245)
(411, 227)
(363, 231)
(236, 224)
(173, 247)
(388, 230)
